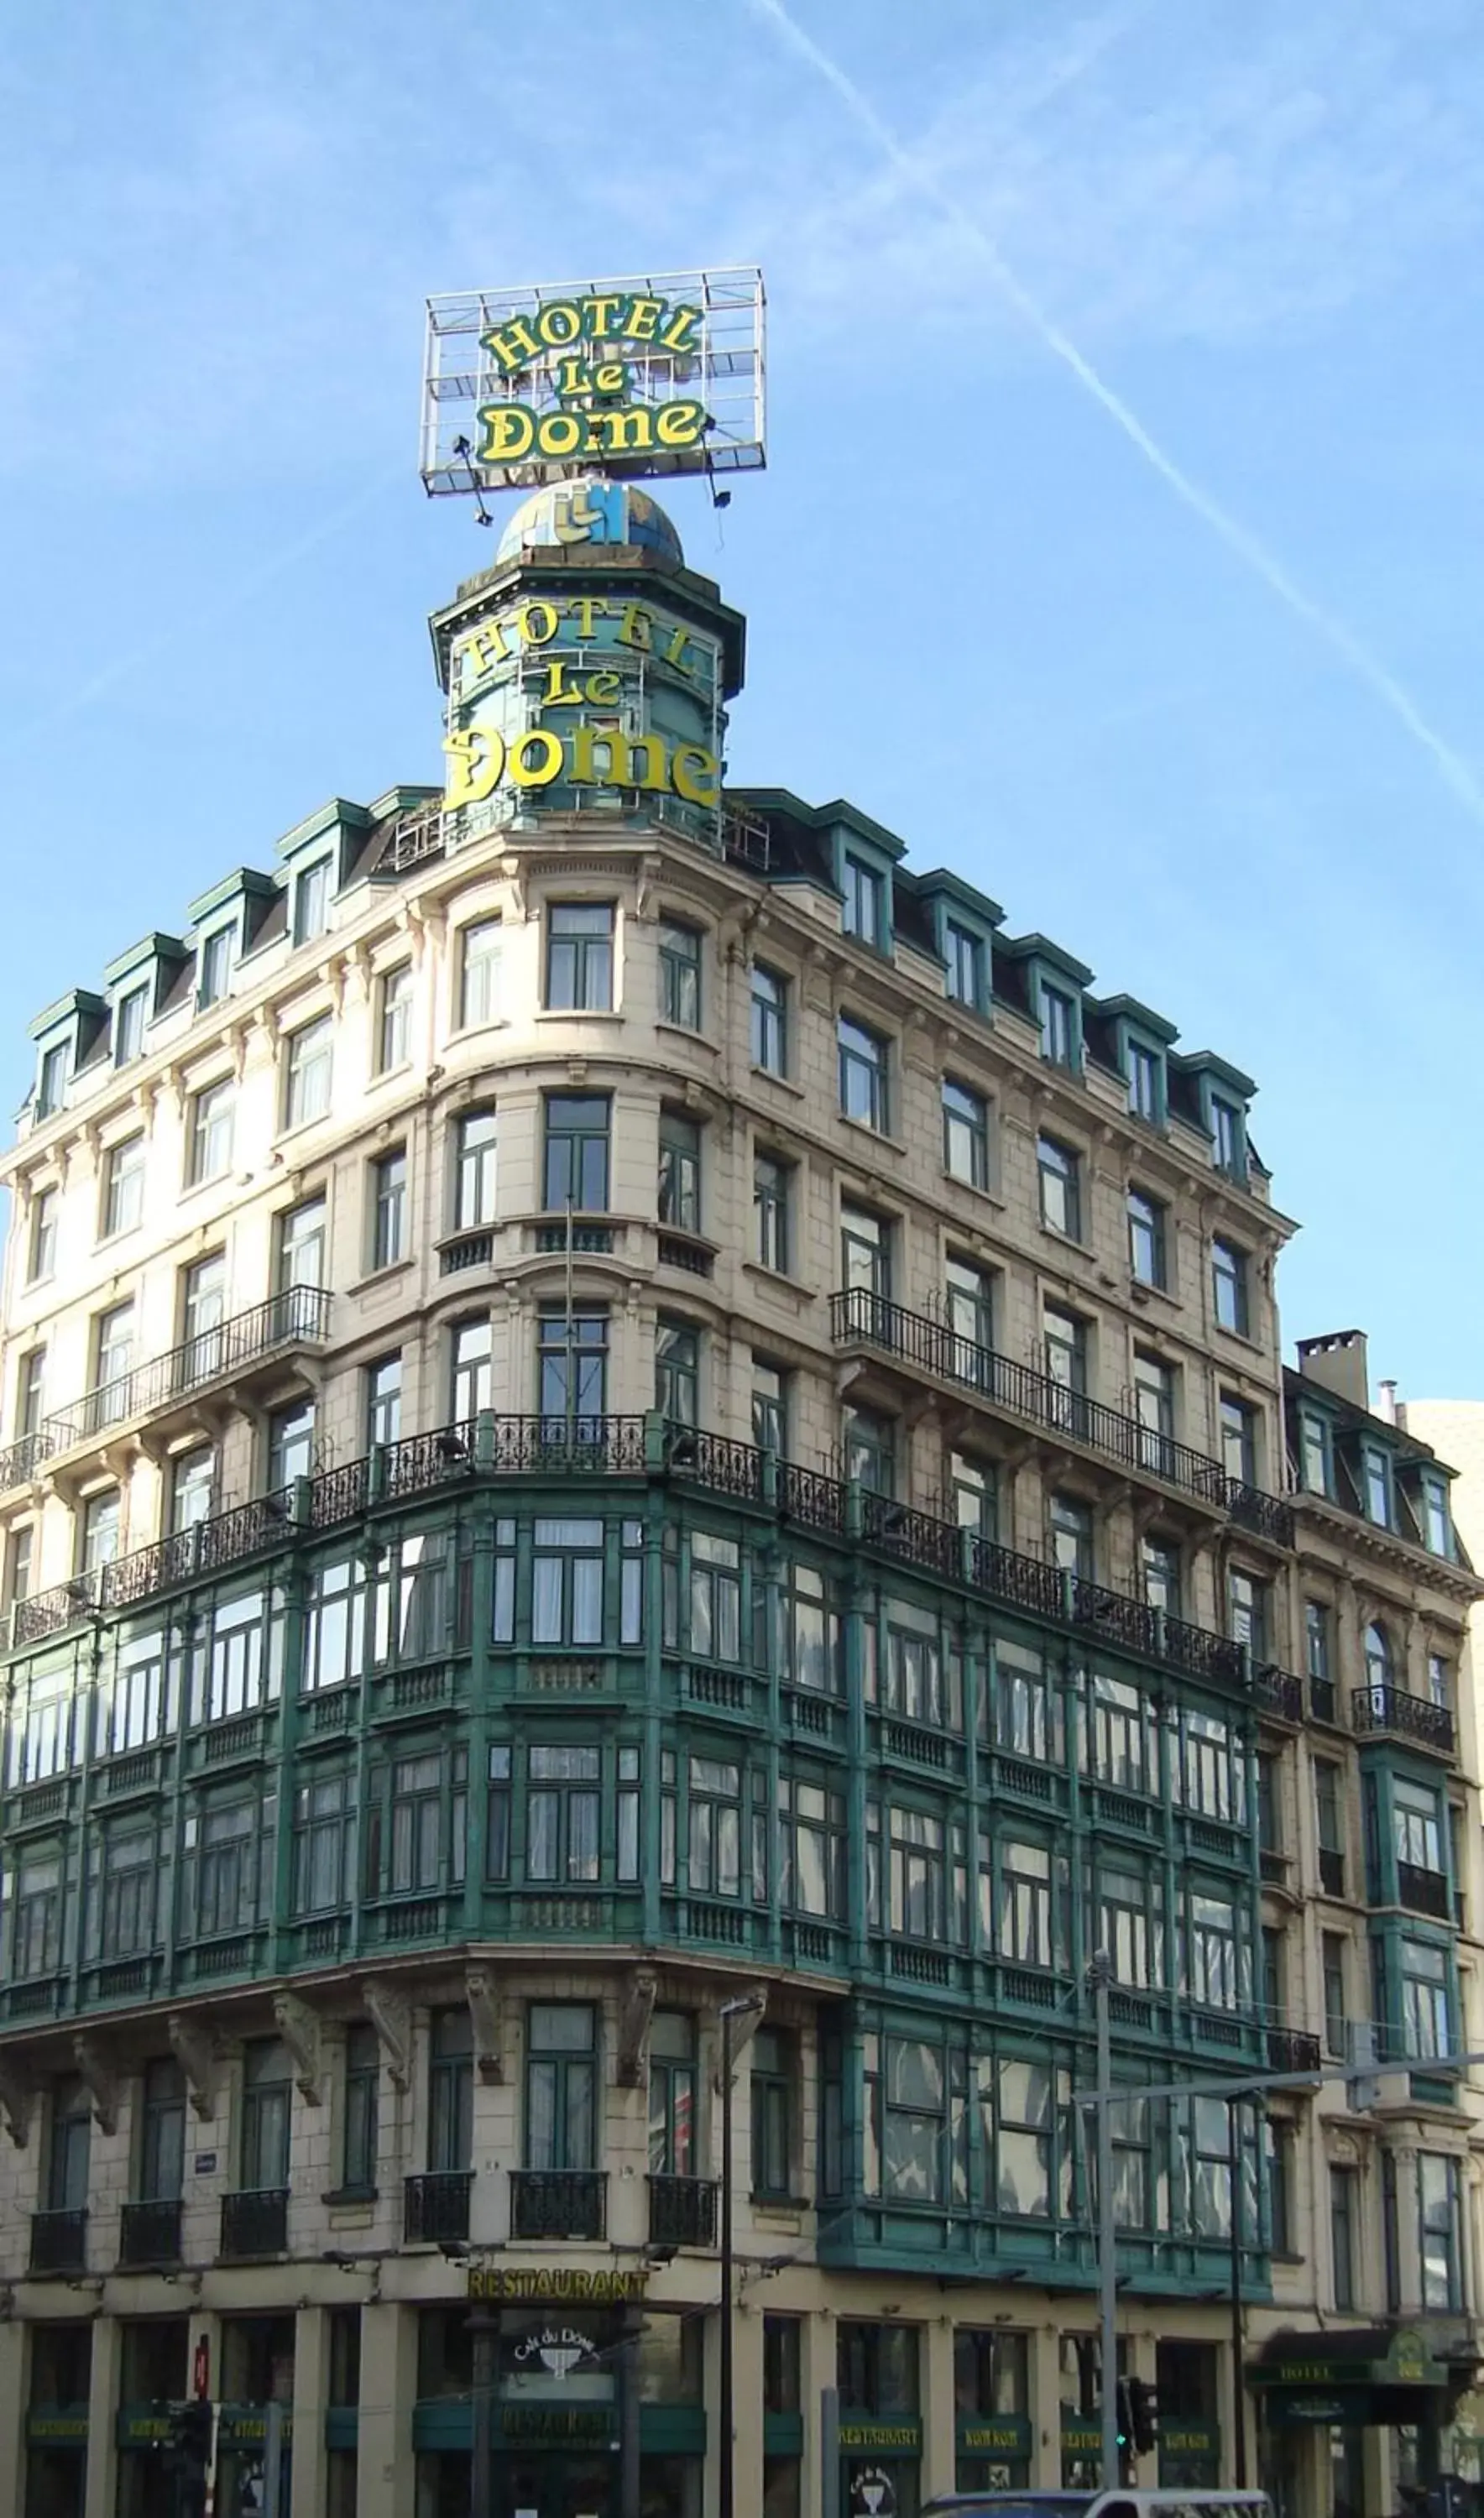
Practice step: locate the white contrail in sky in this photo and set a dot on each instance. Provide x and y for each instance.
(1244, 546)
(207, 617)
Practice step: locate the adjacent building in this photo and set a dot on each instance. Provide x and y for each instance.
(646, 1469)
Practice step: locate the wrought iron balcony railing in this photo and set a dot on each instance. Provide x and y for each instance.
(58, 2243)
(255, 2223)
(490, 1446)
(1411, 1718)
(148, 2234)
(558, 2203)
(299, 1316)
(1278, 1692)
(683, 2211)
(1294, 2049)
(435, 2206)
(1423, 1893)
(859, 1316)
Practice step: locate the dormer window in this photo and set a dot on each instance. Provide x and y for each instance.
(1145, 1097)
(218, 953)
(129, 1027)
(1228, 1138)
(1059, 1026)
(963, 955)
(311, 902)
(51, 1082)
(1314, 1454)
(864, 892)
(1377, 1485)
(1436, 1518)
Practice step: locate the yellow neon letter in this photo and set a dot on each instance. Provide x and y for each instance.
(634, 629)
(692, 763)
(561, 432)
(679, 424)
(683, 323)
(548, 764)
(673, 655)
(587, 607)
(485, 648)
(641, 316)
(476, 757)
(509, 430)
(513, 344)
(559, 324)
(525, 622)
(617, 432)
(597, 313)
(559, 692)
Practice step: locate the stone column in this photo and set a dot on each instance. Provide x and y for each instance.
(940, 2458)
(747, 2404)
(101, 2491)
(13, 2396)
(311, 2395)
(816, 2371)
(1045, 2409)
(385, 2465)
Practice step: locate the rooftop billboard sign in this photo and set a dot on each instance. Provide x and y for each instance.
(640, 378)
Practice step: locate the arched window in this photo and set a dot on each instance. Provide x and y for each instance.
(1378, 1657)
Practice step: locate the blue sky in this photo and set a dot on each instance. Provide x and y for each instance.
(1119, 544)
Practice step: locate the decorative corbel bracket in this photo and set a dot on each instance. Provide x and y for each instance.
(633, 2028)
(482, 1986)
(18, 2100)
(392, 2020)
(199, 2056)
(300, 2029)
(99, 2081)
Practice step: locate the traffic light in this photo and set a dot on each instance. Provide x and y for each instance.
(1143, 2414)
(1124, 2401)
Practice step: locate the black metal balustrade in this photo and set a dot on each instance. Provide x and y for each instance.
(859, 1316)
(682, 2212)
(1423, 1893)
(435, 2206)
(148, 2234)
(1277, 1691)
(1412, 1717)
(558, 2203)
(1292, 2049)
(492, 1445)
(299, 1316)
(58, 2243)
(255, 2222)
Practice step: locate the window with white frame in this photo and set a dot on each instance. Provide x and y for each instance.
(308, 1070)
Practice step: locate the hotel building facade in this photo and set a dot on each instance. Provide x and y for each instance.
(635, 1436)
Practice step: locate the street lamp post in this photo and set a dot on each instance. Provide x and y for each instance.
(749, 2006)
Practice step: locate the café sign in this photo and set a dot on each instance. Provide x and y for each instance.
(609, 2286)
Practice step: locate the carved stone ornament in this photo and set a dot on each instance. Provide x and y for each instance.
(18, 2100)
(199, 2056)
(299, 2028)
(482, 1986)
(633, 2028)
(392, 2020)
(99, 2081)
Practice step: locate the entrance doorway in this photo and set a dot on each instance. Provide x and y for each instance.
(548, 2485)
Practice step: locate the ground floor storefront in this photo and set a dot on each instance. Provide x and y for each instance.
(519, 2387)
